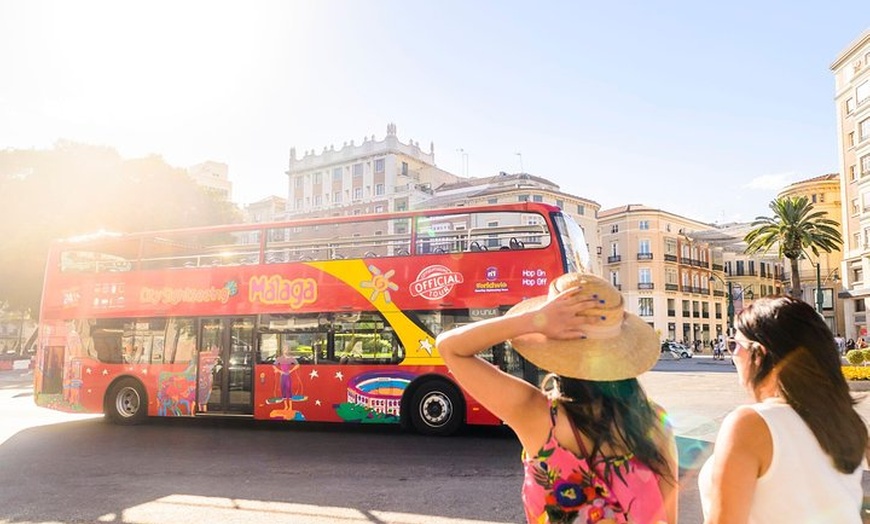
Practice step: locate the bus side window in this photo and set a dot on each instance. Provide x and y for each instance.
(268, 348)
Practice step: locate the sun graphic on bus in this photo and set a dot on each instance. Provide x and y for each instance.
(380, 284)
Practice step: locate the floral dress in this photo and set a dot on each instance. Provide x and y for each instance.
(561, 487)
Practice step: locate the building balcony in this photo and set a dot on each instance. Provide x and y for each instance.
(613, 259)
(646, 286)
(672, 287)
(718, 293)
(672, 313)
(670, 258)
(644, 256)
(718, 267)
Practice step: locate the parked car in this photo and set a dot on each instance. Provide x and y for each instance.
(681, 350)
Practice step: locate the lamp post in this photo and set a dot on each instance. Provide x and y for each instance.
(730, 296)
(819, 297)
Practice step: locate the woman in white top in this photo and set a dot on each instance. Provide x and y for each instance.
(796, 454)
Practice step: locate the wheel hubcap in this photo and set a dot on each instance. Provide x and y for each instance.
(436, 409)
(127, 402)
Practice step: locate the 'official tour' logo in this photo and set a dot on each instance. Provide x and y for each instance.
(435, 282)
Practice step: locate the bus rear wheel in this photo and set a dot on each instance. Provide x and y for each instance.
(126, 403)
(437, 408)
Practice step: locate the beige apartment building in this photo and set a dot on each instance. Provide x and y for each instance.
(851, 71)
(375, 176)
(822, 273)
(214, 177)
(686, 278)
(671, 281)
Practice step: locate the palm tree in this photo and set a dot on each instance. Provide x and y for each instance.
(794, 228)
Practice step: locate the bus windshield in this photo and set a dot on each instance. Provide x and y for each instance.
(574, 241)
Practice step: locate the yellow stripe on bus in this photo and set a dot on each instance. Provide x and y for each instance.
(374, 286)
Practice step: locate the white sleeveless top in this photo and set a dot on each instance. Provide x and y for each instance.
(801, 484)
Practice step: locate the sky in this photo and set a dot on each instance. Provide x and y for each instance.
(702, 109)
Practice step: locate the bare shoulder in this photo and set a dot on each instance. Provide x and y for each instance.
(745, 422)
(744, 433)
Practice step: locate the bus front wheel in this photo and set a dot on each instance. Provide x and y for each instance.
(126, 402)
(437, 408)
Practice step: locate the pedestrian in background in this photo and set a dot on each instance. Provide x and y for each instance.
(795, 455)
(594, 446)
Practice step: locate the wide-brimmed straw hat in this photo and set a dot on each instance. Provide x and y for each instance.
(618, 345)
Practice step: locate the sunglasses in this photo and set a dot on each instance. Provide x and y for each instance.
(746, 346)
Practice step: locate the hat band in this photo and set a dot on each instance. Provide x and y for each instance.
(603, 332)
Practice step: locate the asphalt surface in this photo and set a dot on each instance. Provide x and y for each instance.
(697, 393)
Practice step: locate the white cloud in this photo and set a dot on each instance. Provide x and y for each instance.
(771, 182)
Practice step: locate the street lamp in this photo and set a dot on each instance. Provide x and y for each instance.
(744, 291)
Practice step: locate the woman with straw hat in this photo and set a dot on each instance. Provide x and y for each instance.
(595, 449)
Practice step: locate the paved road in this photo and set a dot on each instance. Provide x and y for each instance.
(698, 393)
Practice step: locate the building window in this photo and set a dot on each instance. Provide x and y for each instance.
(299, 181)
(644, 275)
(336, 197)
(379, 165)
(850, 139)
(379, 189)
(645, 306)
(853, 172)
(537, 198)
(336, 174)
(523, 198)
(864, 130)
(358, 170)
(860, 307)
(379, 209)
(560, 204)
(298, 203)
(614, 278)
(643, 247)
(357, 193)
(614, 228)
(581, 209)
(862, 93)
(318, 200)
(614, 249)
(316, 179)
(404, 169)
(492, 201)
(855, 208)
(850, 105)
(643, 225)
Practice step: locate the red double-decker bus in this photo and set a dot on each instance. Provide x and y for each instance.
(329, 319)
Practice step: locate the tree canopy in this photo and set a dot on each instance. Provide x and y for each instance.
(794, 228)
(76, 189)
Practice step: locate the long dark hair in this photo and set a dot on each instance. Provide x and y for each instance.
(802, 348)
(617, 414)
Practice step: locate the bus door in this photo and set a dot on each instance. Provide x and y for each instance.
(225, 365)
